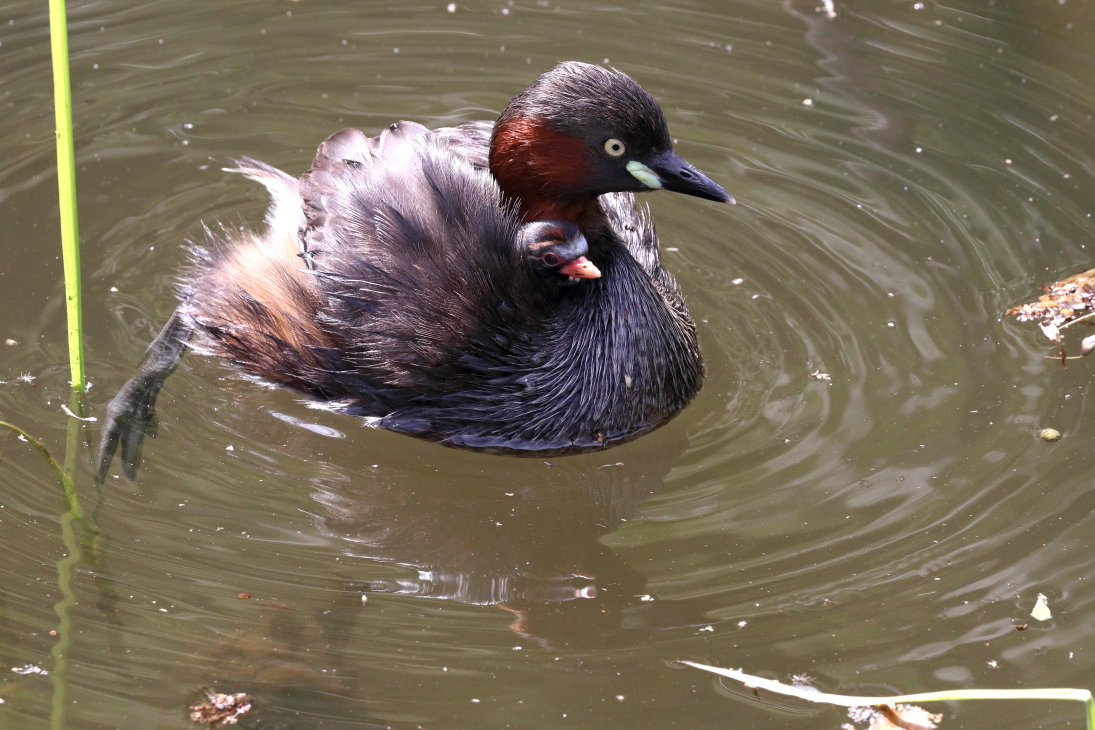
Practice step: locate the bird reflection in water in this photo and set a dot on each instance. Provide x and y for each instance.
(522, 536)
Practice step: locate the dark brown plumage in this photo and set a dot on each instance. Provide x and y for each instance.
(401, 281)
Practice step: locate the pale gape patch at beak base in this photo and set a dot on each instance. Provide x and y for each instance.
(644, 174)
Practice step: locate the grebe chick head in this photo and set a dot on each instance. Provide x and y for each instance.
(580, 131)
(557, 251)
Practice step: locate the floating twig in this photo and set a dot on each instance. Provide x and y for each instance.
(811, 695)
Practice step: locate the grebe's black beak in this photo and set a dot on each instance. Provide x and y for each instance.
(670, 172)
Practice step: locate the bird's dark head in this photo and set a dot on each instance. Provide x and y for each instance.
(557, 251)
(581, 131)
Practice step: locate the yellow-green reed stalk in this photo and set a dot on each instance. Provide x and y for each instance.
(66, 187)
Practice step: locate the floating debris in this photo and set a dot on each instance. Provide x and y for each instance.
(30, 669)
(70, 414)
(1061, 305)
(1061, 301)
(1049, 434)
(893, 717)
(10, 342)
(1041, 610)
(221, 709)
(895, 710)
(818, 375)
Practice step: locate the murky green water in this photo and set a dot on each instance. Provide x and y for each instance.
(883, 531)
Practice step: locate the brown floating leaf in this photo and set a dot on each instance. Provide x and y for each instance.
(221, 709)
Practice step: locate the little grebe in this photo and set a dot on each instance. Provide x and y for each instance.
(491, 287)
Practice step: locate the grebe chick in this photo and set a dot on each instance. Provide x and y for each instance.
(557, 251)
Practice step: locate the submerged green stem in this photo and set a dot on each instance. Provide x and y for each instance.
(66, 189)
(63, 608)
(66, 565)
(68, 487)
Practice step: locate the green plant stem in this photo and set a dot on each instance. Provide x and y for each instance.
(66, 189)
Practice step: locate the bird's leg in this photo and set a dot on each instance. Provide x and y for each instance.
(131, 414)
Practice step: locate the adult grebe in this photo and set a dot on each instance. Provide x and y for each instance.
(490, 287)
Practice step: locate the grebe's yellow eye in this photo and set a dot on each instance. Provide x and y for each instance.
(615, 147)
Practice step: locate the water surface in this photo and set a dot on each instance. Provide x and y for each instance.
(905, 172)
